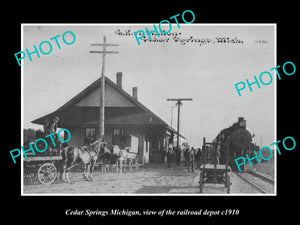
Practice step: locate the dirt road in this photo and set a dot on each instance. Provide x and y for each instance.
(153, 178)
(148, 179)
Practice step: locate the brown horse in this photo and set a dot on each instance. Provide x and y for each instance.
(88, 155)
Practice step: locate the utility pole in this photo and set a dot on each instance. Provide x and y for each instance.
(178, 103)
(173, 106)
(102, 92)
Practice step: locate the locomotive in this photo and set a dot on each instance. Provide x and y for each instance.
(241, 143)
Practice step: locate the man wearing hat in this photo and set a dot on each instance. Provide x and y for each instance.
(50, 127)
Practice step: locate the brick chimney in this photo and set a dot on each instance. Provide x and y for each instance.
(119, 79)
(134, 93)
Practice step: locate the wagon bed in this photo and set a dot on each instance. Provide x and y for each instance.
(42, 167)
(42, 158)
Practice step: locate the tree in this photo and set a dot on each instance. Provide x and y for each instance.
(39, 133)
(29, 135)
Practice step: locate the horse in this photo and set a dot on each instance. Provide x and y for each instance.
(118, 157)
(122, 157)
(88, 155)
(104, 159)
(131, 158)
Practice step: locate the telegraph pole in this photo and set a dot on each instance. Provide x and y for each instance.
(178, 103)
(102, 92)
(173, 106)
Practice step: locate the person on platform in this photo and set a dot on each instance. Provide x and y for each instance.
(191, 159)
(169, 157)
(186, 155)
(198, 157)
(178, 156)
(215, 157)
(163, 155)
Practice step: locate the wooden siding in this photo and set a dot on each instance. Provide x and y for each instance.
(77, 136)
(148, 147)
(112, 99)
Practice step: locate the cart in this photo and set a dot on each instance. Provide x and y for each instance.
(214, 173)
(42, 167)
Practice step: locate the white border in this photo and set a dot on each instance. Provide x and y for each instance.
(149, 24)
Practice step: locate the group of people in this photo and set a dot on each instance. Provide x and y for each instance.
(191, 156)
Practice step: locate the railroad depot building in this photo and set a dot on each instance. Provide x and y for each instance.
(128, 123)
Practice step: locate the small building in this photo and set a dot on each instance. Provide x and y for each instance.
(128, 123)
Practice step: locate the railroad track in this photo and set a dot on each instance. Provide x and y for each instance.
(262, 176)
(258, 181)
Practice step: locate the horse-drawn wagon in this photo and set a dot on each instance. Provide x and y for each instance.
(43, 167)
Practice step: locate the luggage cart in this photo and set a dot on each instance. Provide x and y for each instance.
(214, 173)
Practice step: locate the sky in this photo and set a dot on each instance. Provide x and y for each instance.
(205, 72)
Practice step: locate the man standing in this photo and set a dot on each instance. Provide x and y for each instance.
(215, 157)
(50, 127)
(191, 159)
(186, 155)
(169, 157)
(198, 157)
(178, 156)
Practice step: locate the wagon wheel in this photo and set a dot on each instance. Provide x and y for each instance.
(47, 173)
(201, 182)
(228, 184)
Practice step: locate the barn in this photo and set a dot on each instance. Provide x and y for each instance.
(128, 123)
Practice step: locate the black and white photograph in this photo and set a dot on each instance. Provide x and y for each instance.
(148, 113)
(149, 110)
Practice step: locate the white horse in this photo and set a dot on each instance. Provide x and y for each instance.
(131, 158)
(123, 157)
(71, 155)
